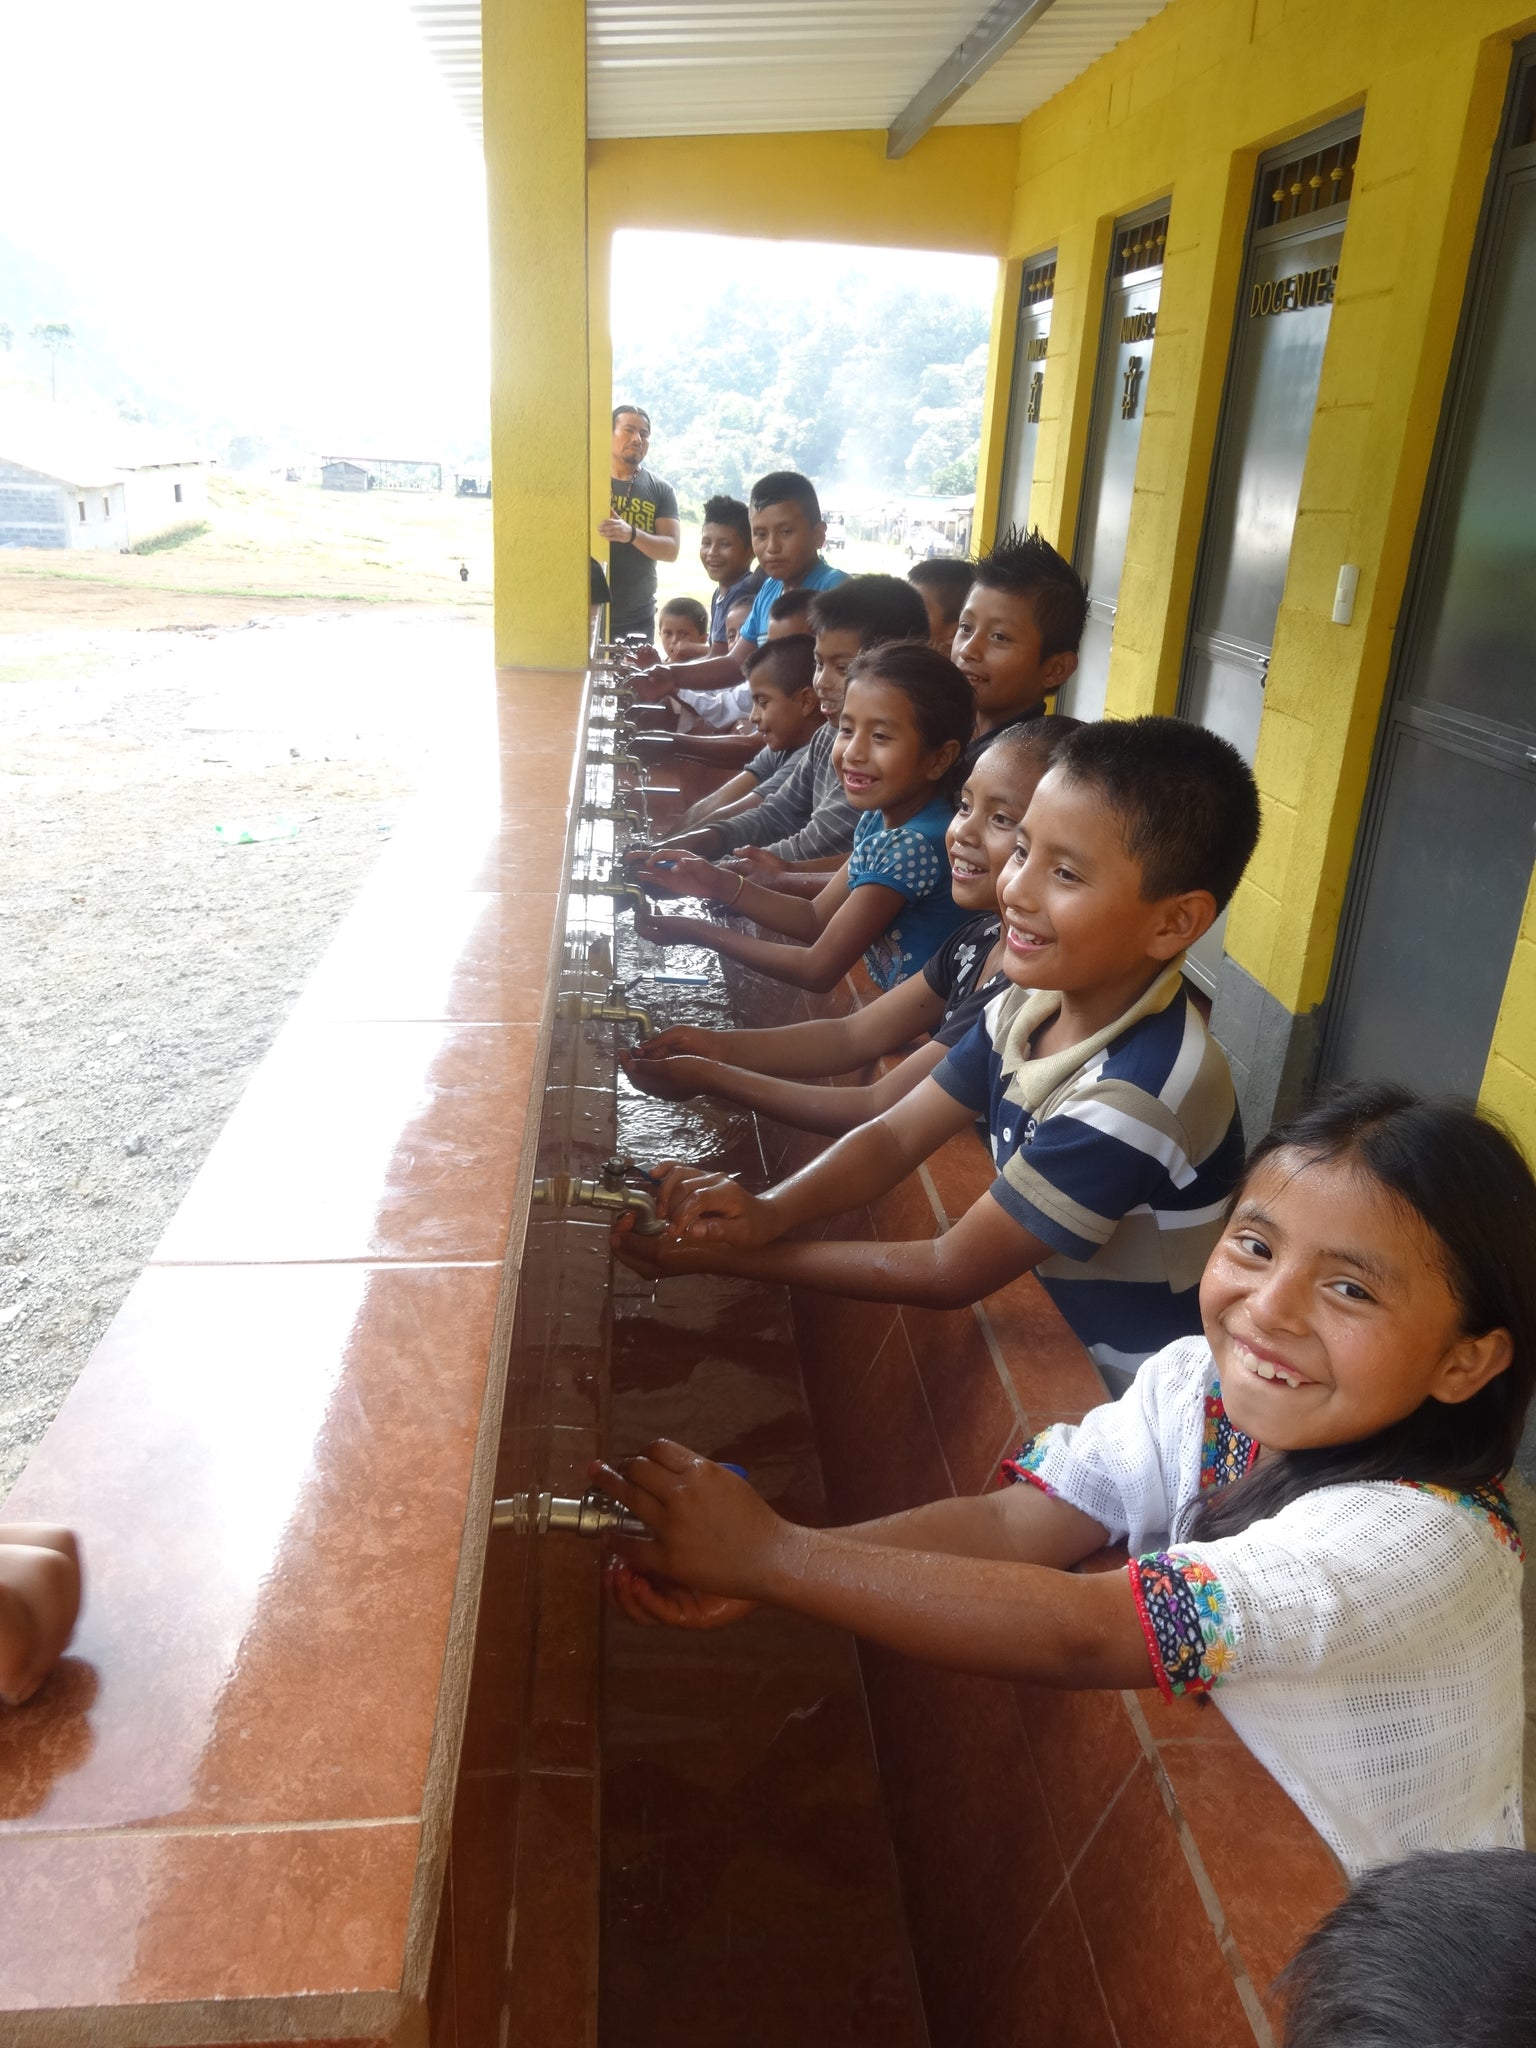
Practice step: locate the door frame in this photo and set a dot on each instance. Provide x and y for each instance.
(1018, 391)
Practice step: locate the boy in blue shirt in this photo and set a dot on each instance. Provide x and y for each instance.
(787, 533)
(1113, 1124)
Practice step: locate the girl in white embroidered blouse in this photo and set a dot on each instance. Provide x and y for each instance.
(1310, 1496)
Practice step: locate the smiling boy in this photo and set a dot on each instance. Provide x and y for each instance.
(1113, 1124)
(1017, 637)
(787, 533)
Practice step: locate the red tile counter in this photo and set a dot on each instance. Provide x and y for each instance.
(225, 1818)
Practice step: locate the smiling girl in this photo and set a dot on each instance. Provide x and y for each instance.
(1310, 1495)
(775, 1071)
(905, 718)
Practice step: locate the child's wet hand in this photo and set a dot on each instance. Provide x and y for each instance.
(758, 858)
(39, 1604)
(677, 1038)
(664, 931)
(659, 1602)
(711, 1208)
(710, 1531)
(677, 1078)
(655, 1258)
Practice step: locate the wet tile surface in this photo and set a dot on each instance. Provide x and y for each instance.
(288, 1578)
(437, 956)
(366, 1141)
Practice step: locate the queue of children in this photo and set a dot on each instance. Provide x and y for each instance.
(1320, 1358)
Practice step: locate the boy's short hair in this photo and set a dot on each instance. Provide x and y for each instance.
(1042, 737)
(690, 609)
(1186, 800)
(789, 663)
(949, 578)
(1026, 565)
(1440, 1948)
(787, 487)
(789, 604)
(638, 410)
(877, 608)
(728, 512)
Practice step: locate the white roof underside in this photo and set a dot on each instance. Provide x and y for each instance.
(727, 67)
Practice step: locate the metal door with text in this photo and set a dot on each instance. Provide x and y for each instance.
(1444, 858)
(1114, 436)
(1036, 292)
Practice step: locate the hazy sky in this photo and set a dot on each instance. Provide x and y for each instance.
(693, 264)
(277, 214)
(283, 196)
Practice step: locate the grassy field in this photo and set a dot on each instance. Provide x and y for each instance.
(296, 541)
(281, 546)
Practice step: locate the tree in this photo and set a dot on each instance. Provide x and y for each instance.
(53, 335)
(7, 335)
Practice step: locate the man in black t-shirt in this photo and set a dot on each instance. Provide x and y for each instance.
(642, 529)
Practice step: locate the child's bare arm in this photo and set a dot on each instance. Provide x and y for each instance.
(39, 1603)
(978, 1255)
(988, 1613)
(805, 1104)
(864, 915)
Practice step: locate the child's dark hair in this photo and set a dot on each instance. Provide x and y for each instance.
(1435, 1952)
(877, 608)
(728, 512)
(1026, 565)
(1041, 738)
(690, 609)
(1468, 1184)
(1186, 800)
(788, 663)
(940, 696)
(787, 487)
(791, 604)
(949, 578)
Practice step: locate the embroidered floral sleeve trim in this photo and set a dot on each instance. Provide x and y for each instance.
(1183, 1615)
(1489, 1501)
(1026, 1461)
(1225, 1453)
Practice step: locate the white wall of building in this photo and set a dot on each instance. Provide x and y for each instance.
(163, 500)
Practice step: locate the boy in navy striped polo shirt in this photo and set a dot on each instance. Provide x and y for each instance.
(1113, 1123)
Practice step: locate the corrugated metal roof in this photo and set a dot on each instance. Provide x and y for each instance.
(727, 67)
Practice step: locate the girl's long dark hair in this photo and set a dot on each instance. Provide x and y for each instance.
(941, 699)
(1469, 1185)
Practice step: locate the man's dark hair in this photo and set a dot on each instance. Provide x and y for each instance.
(728, 512)
(790, 604)
(1435, 1952)
(1185, 798)
(690, 609)
(787, 487)
(790, 662)
(638, 410)
(1026, 565)
(949, 578)
(877, 608)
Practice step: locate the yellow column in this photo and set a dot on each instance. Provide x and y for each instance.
(535, 104)
(600, 371)
(1509, 1082)
(995, 405)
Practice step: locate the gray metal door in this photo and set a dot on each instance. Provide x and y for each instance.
(1444, 858)
(1036, 292)
(1301, 199)
(1114, 435)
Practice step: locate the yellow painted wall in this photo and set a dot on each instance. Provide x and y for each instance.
(1509, 1084)
(535, 163)
(1185, 107)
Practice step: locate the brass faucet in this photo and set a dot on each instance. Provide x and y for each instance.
(594, 1514)
(621, 892)
(610, 1009)
(613, 1191)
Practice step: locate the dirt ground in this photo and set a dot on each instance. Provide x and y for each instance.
(145, 963)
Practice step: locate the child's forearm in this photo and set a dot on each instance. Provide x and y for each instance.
(983, 1615)
(831, 1111)
(793, 916)
(915, 1273)
(808, 967)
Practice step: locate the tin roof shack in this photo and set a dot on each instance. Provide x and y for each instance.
(78, 482)
(340, 475)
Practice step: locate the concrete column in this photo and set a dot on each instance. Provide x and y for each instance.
(600, 371)
(535, 105)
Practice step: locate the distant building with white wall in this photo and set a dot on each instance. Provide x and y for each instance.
(71, 480)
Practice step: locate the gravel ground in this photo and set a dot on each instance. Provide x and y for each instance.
(146, 966)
